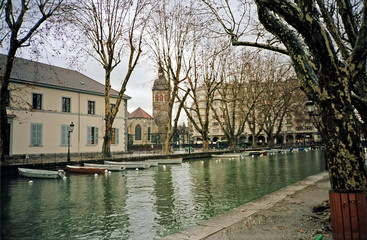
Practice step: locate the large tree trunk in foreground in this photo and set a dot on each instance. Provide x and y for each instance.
(340, 133)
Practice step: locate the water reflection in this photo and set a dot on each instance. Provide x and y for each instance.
(145, 204)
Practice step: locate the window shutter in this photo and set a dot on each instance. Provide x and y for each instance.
(117, 136)
(33, 134)
(96, 135)
(89, 135)
(39, 135)
(64, 134)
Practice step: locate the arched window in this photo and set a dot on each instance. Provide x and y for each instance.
(161, 98)
(138, 132)
(148, 133)
(166, 98)
(157, 98)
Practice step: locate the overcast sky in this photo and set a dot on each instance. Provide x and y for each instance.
(139, 87)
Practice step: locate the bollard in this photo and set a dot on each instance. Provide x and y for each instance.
(348, 214)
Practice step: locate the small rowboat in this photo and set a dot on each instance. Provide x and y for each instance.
(81, 169)
(130, 165)
(110, 167)
(40, 173)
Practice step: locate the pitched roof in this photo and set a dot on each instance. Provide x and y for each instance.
(45, 75)
(139, 113)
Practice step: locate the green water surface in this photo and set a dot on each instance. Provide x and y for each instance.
(145, 204)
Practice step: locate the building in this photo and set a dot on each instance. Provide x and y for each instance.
(296, 127)
(45, 100)
(140, 127)
(160, 93)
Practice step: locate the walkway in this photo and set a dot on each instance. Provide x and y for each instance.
(284, 214)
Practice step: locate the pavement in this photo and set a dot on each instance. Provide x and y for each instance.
(284, 214)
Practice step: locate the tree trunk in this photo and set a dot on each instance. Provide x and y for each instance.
(344, 156)
(106, 147)
(167, 145)
(270, 141)
(4, 142)
(204, 136)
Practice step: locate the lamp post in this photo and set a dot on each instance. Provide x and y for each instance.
(310, 105)
(71, 129)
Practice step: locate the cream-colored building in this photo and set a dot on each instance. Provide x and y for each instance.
(140, 127)
(45, 100)
(296, 129)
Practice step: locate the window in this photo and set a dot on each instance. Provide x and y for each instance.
(115, 136)
(91, 107)
(64, 134)
(92, 135)
(36, 101)
(36, 134)
(66, 104)
(138, 132)
(112, 106)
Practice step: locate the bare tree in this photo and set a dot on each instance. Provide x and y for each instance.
(115, 30)
(202, 83)
(237, 96)
(23, 20)
(327, 43)
(173, 42)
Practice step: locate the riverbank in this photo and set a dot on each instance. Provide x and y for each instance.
(284, 214)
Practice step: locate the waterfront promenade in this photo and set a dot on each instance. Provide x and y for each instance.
(283, 214)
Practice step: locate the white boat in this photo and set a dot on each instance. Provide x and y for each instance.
(227, 156)
(273, 150)
(153, 163)
(40, 173)
(110, 167)
(130, 165)
(169, 161)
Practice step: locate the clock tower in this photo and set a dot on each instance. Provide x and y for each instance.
(160, 93)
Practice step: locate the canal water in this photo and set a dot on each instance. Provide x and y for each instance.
(144, 204)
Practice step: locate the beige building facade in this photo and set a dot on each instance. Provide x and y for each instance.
(45, 100)
(140, 127)
(296, 129)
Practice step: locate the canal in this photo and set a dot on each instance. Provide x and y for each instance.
(144, 204)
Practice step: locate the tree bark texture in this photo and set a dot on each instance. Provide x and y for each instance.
(326, 79)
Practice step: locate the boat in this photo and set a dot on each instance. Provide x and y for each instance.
(273, 151)
(130, 165)
(40, 173)
(169, 161)
(81, 169)
(256, 153)
(110, 167)
(226, 156)
(153, 163)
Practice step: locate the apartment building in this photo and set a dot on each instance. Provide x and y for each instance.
(45, 100)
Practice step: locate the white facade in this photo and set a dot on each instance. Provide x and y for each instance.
(40, 114)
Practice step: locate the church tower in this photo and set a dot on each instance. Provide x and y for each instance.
(160, 95)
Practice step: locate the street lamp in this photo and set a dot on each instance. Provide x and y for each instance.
(71, 129)
(311, 108)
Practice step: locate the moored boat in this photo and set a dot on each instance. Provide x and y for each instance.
(256, 153)
(169, 161)
(40, 173)
(130, 165)
(153, 163)
(81, 169)
(110, 167)
(226, 156)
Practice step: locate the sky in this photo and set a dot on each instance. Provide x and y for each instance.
(139, 87)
